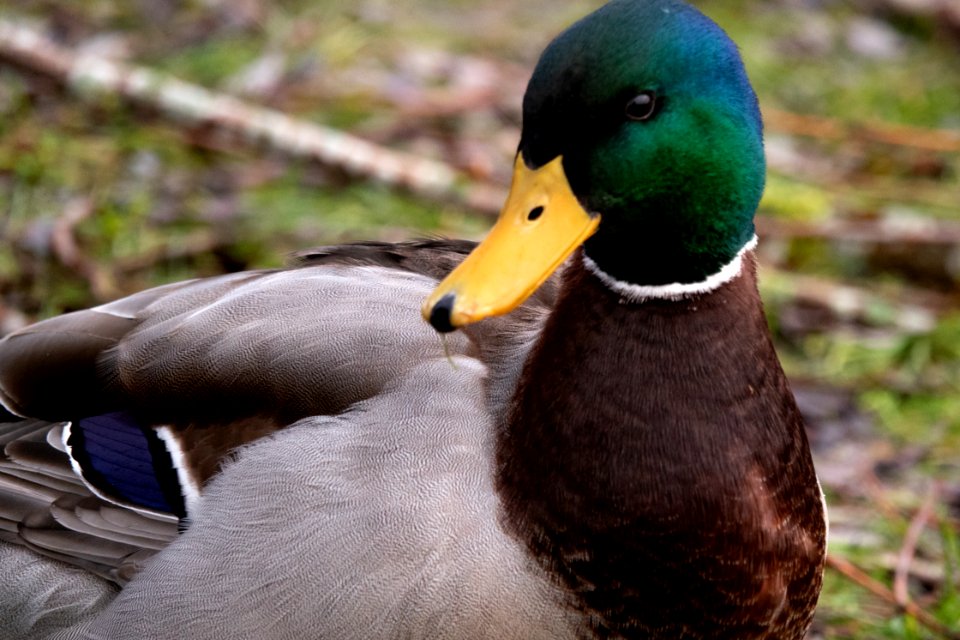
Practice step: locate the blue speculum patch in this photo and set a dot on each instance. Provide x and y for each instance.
(123, 458)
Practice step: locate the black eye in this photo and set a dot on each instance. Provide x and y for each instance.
(642, 106)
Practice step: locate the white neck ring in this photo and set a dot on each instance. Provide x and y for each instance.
(676, 290)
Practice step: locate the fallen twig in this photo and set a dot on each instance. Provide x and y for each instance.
(94, 75)
(856, 575)
(909, 547)
(881, 230)
(64, 245)
(942, 140)
(62, 239)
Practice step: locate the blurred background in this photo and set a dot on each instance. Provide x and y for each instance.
(113, 179)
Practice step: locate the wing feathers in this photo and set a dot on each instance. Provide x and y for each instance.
(28, 373)
(42, 458)
(81, 515)
(86, 548)
(45, 507)
(215, 364)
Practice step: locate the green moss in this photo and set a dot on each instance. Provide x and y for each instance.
(795, 200)
(210, 61)
(286, 208)
(929, 420)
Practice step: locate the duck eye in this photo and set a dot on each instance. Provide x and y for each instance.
(642, 106)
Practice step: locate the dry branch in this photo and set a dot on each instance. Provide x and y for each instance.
(915, 231)
(909, 547)
(62, 238)
(942, 140)
(858, 576)
(91, 75)
(63, 242)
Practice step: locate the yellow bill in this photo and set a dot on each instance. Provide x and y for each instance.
(540, 225)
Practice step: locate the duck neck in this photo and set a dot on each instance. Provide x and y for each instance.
(635, 432)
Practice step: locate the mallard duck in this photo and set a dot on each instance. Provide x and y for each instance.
(294, 454)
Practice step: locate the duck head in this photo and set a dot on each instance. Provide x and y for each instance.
(642, 141)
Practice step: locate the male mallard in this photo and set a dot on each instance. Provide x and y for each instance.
(620, 457)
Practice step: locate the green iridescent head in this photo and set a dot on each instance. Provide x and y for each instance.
(649, 106)
(642, 141)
